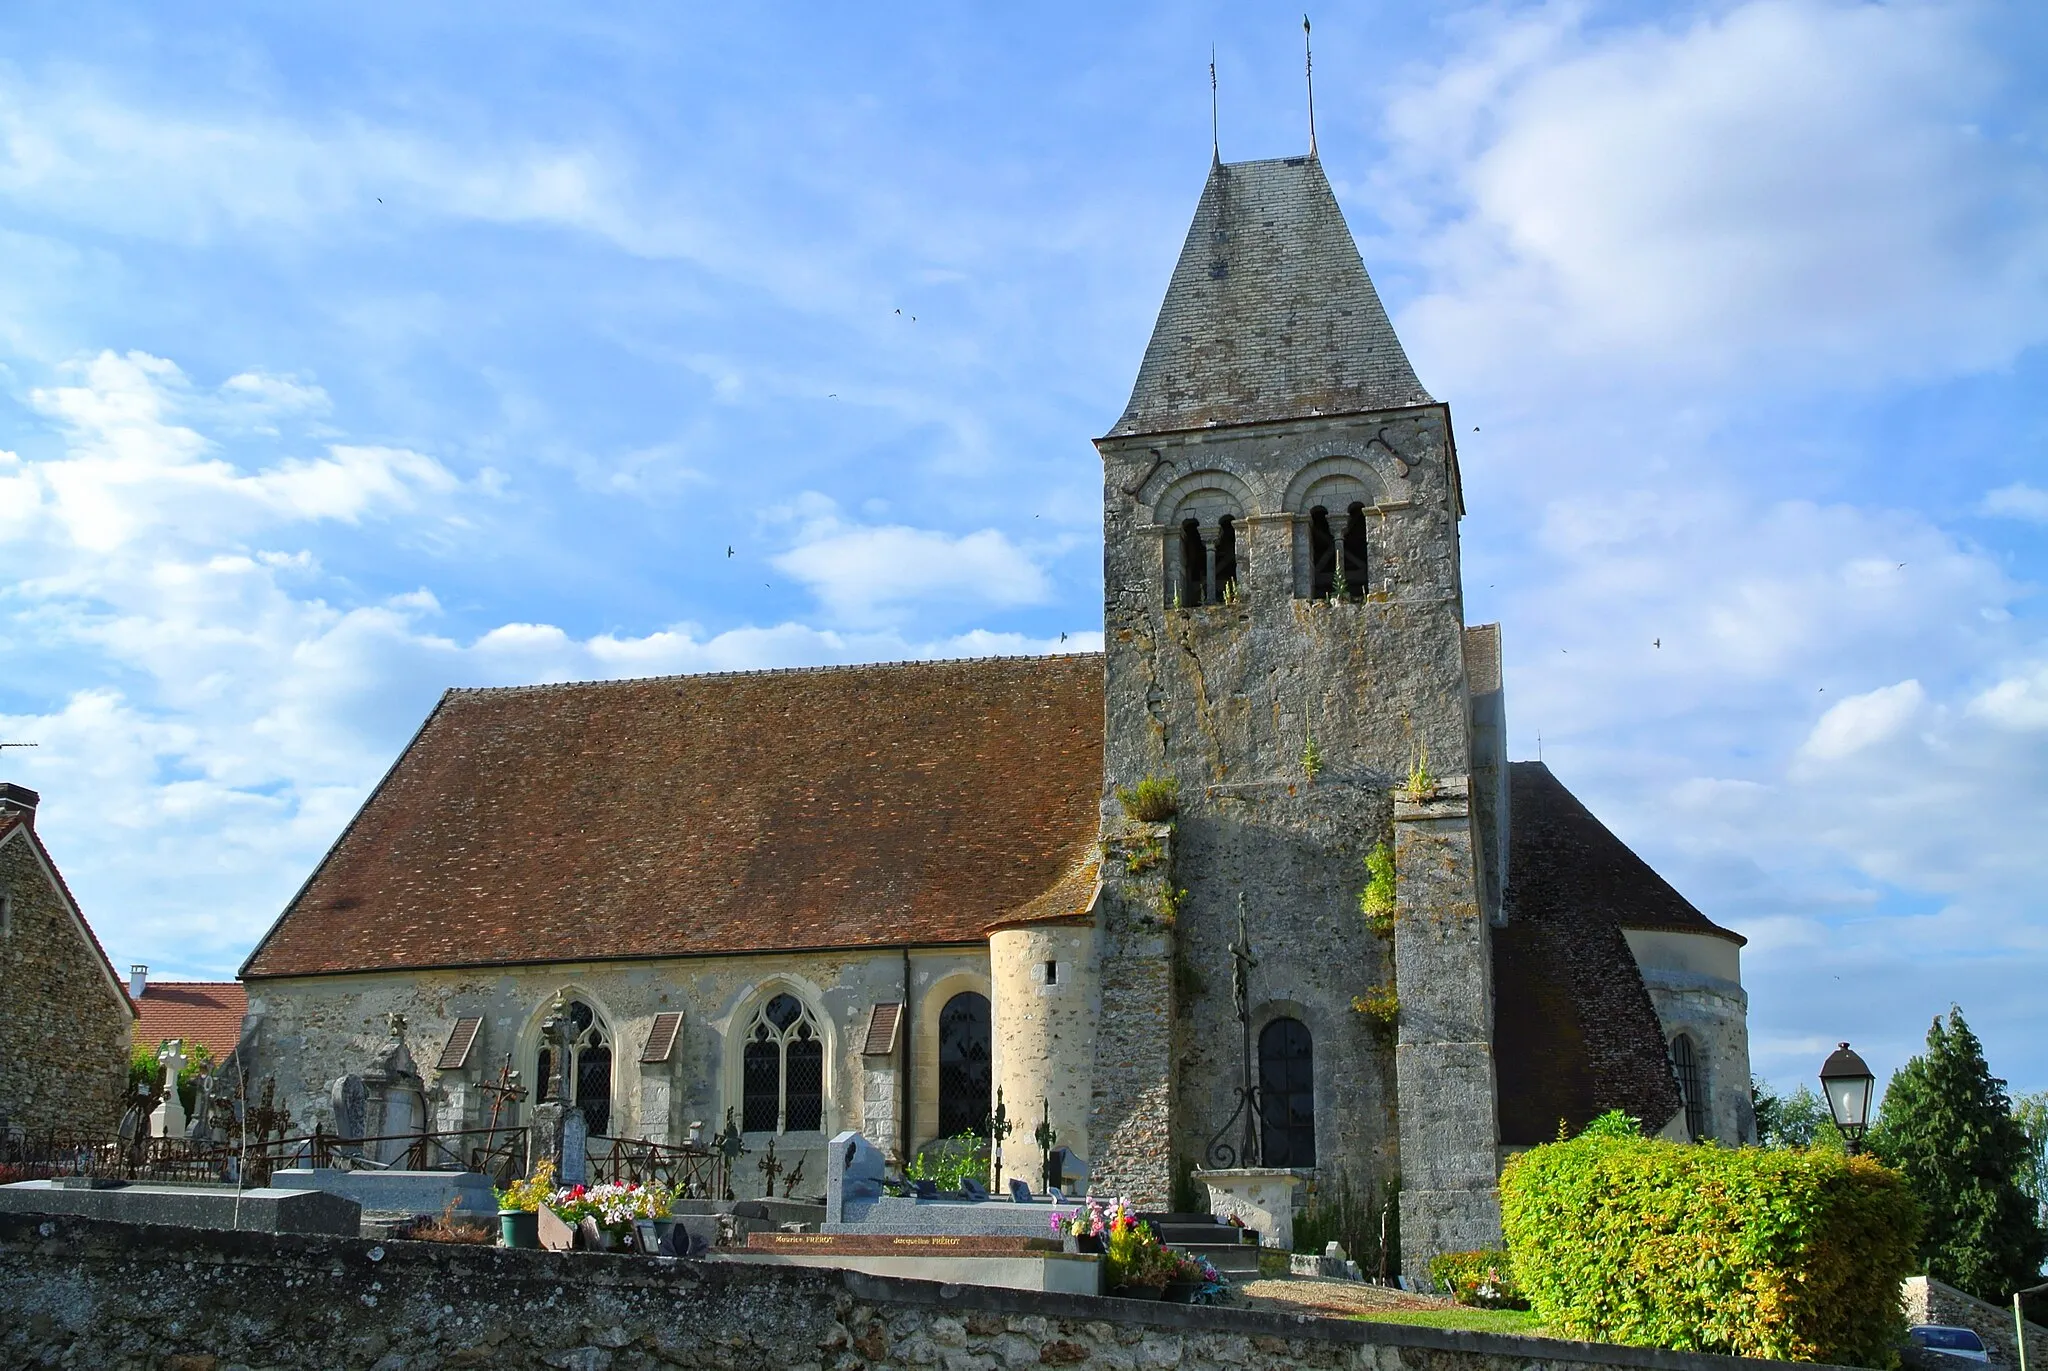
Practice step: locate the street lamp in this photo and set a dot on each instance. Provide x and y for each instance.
(1847, 1083)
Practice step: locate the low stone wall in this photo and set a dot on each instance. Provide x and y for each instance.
(80, 1292)
(1929, 1301)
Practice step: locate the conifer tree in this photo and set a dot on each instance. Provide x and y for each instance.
(1947, 1125)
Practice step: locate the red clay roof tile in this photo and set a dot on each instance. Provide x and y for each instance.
(763, 811)
(208, 1012)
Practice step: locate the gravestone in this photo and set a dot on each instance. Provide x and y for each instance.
(200, 1129)
(575, 1167)
(168, 1121)
(349, 1103)
(1020, 1191)
(1071, 1171)
(395, 1102)
(853, 1171)
(555, 1234)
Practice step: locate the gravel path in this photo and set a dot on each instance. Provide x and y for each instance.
(1303, 1295)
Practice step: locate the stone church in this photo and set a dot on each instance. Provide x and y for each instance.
(872, 897)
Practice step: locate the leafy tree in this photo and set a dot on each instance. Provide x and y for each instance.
(1947, 1125)
(1800, 1119)
(2031, 1112)
(145, 1069)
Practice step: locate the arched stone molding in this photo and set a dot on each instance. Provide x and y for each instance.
(529, 1046)
(732, 1029)
(1205, 552)
(924, 1124)
(1336, 484)
(1374, 471)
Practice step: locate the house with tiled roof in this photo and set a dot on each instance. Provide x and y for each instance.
(64, 1017)
(205, 1013)
(1123, 896)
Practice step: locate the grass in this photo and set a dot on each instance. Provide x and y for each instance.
(1469, 1320)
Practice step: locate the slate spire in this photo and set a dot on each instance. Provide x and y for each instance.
(1270, 313)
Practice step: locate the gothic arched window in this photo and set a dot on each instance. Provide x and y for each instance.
(1287, 1094)
(783, 1070)
(1685, 1070)
(965, 1076)
(590, 1068)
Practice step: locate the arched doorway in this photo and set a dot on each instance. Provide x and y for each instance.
(1287, 1094)
(965, 1075)
(590, 1068)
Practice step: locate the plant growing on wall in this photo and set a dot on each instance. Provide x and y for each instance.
(1421, 785)
(1381, 1004)
(1153, 800)
(1143, 856)
(1168, 903)
(1311, 756)
(1376, 901)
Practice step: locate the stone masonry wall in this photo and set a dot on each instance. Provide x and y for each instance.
(1226, 698)
(64, 1029)
(1130, 1108)
(1449, 1125)
(315, 1029)
(1929, 1301)
(87, 1294)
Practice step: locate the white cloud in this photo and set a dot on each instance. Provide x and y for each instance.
(131, 467)
(865, 571)
(2017, 703)
(1795, 184)
(2017, 501)
(1864, 720)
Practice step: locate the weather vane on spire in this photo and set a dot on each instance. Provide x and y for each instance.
(1309, 65)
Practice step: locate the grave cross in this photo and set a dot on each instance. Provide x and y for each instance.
(999, 1128)
(770, 1168)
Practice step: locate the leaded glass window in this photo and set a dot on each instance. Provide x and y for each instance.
(782, 1069)
(590, 1068)
(1685, 1070)
(965, 1076)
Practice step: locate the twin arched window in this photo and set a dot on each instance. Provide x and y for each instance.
(783, 1070)
(590, 1068)
(1287, 1094)
(1337, 556)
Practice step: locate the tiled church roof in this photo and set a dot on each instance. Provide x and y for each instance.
(846, 807)
(1574, 1031)
(208, 1012)
(1270, 313)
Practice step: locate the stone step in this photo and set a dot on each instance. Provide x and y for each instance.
(1232, 1259)
(1174, 1234)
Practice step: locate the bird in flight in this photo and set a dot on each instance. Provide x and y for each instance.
(728, 549)
(1063, 637)
(1656, 642)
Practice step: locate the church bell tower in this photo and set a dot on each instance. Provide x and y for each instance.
(1285, 640)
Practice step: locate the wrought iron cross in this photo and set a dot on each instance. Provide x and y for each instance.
(1221, 1155)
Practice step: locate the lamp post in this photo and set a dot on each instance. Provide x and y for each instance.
(1847, 1083)
(2019, 1321)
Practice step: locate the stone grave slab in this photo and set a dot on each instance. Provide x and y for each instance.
(266, 1210)
(398, 1192)
(870, 1244)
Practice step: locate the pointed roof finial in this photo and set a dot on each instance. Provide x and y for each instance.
(1215, 141)
(1309, 65)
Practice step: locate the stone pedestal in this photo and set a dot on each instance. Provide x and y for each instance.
(1261, 1197)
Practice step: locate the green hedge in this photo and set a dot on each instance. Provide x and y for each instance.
(1788, 1255)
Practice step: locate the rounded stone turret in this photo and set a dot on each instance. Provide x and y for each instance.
(1044, 1008)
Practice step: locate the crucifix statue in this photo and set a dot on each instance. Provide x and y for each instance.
(770, 1168)
(1221, 1154)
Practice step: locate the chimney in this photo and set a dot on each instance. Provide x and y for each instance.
(18, 799)
(138, 979)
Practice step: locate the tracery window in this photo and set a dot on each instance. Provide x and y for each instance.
(965, 1076)
(1685, 1070)
(1287, 1094)
(783, 1070)
(590, 1068)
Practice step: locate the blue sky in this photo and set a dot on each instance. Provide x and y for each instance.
(350, 354)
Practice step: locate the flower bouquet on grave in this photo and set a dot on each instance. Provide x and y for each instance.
(611, 1209)
(519, 1206)
(1135, 1264)
(1085, 1228)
